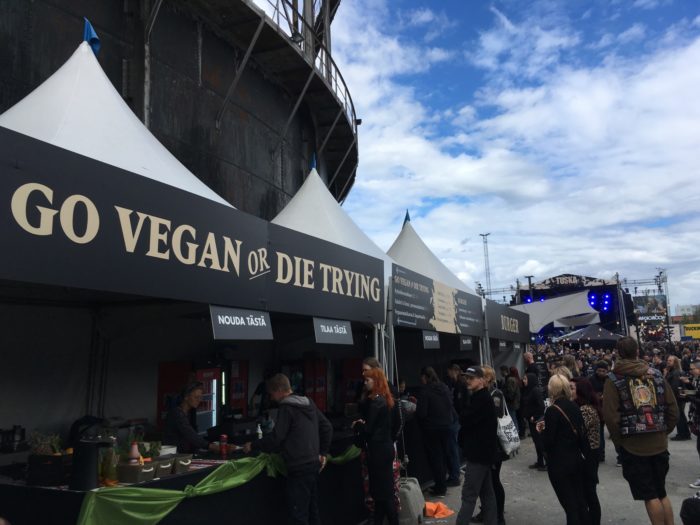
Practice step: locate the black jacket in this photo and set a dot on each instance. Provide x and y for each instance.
(531, 404)
(478, 420)
(434, 407)
(378, 424)
(564, 446)
(180, 432)
(301, 433)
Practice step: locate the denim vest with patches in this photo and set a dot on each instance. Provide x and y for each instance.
(642, 402)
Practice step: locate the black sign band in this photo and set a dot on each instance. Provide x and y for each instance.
(103, 228)
(233, 324)
(331, 331)
(506, 324)
(431, 340)
(423, 303)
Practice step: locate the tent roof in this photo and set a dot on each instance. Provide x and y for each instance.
(545, 312)
(78, 109)
(315, 212)
(593, 333)
(410, 251)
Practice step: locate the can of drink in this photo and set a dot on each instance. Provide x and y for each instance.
(223, 445)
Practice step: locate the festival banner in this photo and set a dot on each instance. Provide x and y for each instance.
(69, 220)
(423, 303)
(692, 330)
(506, 324)
(650, 309)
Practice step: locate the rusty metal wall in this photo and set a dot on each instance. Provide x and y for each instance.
(191, 70)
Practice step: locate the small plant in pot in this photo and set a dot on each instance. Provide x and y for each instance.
(48, 463)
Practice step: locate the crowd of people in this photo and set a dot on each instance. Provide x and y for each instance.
(566, 400)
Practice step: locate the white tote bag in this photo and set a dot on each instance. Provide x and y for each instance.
(508, 433)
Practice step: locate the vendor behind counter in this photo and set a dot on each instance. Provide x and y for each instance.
(180, 429)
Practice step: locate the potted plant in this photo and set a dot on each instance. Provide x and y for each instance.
(48, 463)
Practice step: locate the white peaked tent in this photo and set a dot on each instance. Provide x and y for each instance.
(315, 212)
(561, 309)
(410, 251)
(78, 109)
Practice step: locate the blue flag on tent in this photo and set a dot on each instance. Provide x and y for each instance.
(313, 161)
(407, 218)
(91, 37)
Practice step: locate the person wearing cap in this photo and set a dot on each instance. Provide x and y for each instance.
(480, 442)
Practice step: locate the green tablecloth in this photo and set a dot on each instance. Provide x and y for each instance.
(147, 506)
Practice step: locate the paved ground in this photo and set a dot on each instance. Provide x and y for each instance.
(530, 499)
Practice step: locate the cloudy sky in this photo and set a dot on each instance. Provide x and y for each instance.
(568, 130)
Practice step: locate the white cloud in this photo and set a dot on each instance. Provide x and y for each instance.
(633, 34)
(649, 4)
(525, 49)
(435, 23)
(588, 169)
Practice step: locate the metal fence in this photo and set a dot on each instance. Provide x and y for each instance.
(287, 17)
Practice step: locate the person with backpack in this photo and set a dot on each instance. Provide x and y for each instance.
(565, 442)
(640, 411)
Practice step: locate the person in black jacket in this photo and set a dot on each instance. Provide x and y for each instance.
(436, 415)
(374, 433)
(600, 373)
(674, 375)
(303, 436)
(180, 429)
(479, 439)
(566, 443)
(532, 406)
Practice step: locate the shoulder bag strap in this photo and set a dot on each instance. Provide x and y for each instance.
(566, 417)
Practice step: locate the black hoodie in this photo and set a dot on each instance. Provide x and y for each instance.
(301, 434)
(531, 404)
(434, 407)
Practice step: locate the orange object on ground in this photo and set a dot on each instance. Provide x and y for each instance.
(437, 510)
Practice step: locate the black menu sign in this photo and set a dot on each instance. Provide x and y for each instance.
(332, 331)
(235, 324)
(431, 340)
(423, 303)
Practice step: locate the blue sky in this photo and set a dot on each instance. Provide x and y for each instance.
(569, 130)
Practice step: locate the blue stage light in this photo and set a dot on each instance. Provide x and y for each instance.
(541, 299)
(607, 296)
(593, 296)
(528, 299)
(605, 308)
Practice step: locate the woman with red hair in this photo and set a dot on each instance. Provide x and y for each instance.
(374, 435)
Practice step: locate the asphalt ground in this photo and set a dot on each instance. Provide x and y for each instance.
(530, 499)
